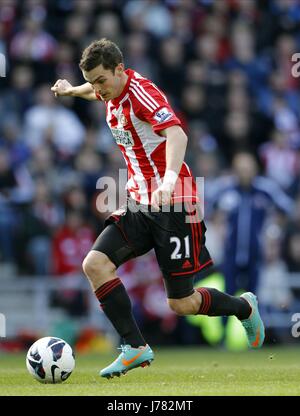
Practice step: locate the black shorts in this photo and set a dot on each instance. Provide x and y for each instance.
(178, 239)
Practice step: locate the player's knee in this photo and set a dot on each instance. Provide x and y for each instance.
(185, 306)
(179, 306)
(97, 265)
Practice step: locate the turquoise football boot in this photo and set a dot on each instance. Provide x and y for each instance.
(128, 359)
(253, 325)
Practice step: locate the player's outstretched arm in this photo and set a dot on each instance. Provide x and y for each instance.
(63, 88)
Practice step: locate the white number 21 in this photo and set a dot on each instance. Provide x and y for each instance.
(176, 252)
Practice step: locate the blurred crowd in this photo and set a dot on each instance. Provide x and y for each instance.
(226, 67)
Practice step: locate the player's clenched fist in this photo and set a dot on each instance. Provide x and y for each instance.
(62, 87)
(162, 195)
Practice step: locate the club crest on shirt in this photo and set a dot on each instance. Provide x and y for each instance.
(122, 137)
(122, 120)
(162, 115)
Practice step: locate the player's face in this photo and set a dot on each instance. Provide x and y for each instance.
(106, 83)
(245, 168)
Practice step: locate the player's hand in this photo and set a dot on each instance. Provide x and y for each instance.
(62, 87)
(162, 195)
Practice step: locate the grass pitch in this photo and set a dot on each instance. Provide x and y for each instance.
(185, 371)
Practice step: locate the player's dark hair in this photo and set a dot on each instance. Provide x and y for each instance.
(101, 52)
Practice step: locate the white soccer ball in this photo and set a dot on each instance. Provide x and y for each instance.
(50, 360)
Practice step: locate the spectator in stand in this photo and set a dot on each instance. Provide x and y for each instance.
(89, 164)
(286, 120)
(181, 27)
(193, 104)
(37, 221)
(42, 165)
(75, 29)
(246, 200)
(196, 72)
(140, 15)
(274, 290)
(108, 25)
(137, 45)
(171, 68)
(280, 161)
(75, 200)
(276, 296)
(71, 242)
(244, 58)
(236, 133)
(19, 97)
(44, 121)
(32, 42)
(243, 127)
(64, 58)
(34, 45)
(8, 182)
(11, 138)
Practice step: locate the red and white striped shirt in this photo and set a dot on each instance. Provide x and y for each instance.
(135, 119)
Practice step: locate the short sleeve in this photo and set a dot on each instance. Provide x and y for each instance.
(151, 105)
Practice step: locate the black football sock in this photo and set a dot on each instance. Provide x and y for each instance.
(216, 303)
(116, 305)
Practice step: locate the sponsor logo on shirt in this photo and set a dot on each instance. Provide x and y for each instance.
(162, 115)
(123, 137)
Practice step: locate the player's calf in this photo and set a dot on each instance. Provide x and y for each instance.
(216, 303)
(211, 302)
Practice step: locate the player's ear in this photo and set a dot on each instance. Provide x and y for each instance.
(119, 69)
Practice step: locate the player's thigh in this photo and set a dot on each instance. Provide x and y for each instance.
(181, 251)
(178, 288)
(180, 246)
(126, 236)
(112, 243)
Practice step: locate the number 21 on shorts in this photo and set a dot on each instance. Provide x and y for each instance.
(177, 252)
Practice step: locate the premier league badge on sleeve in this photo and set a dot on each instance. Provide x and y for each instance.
(162, 115)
